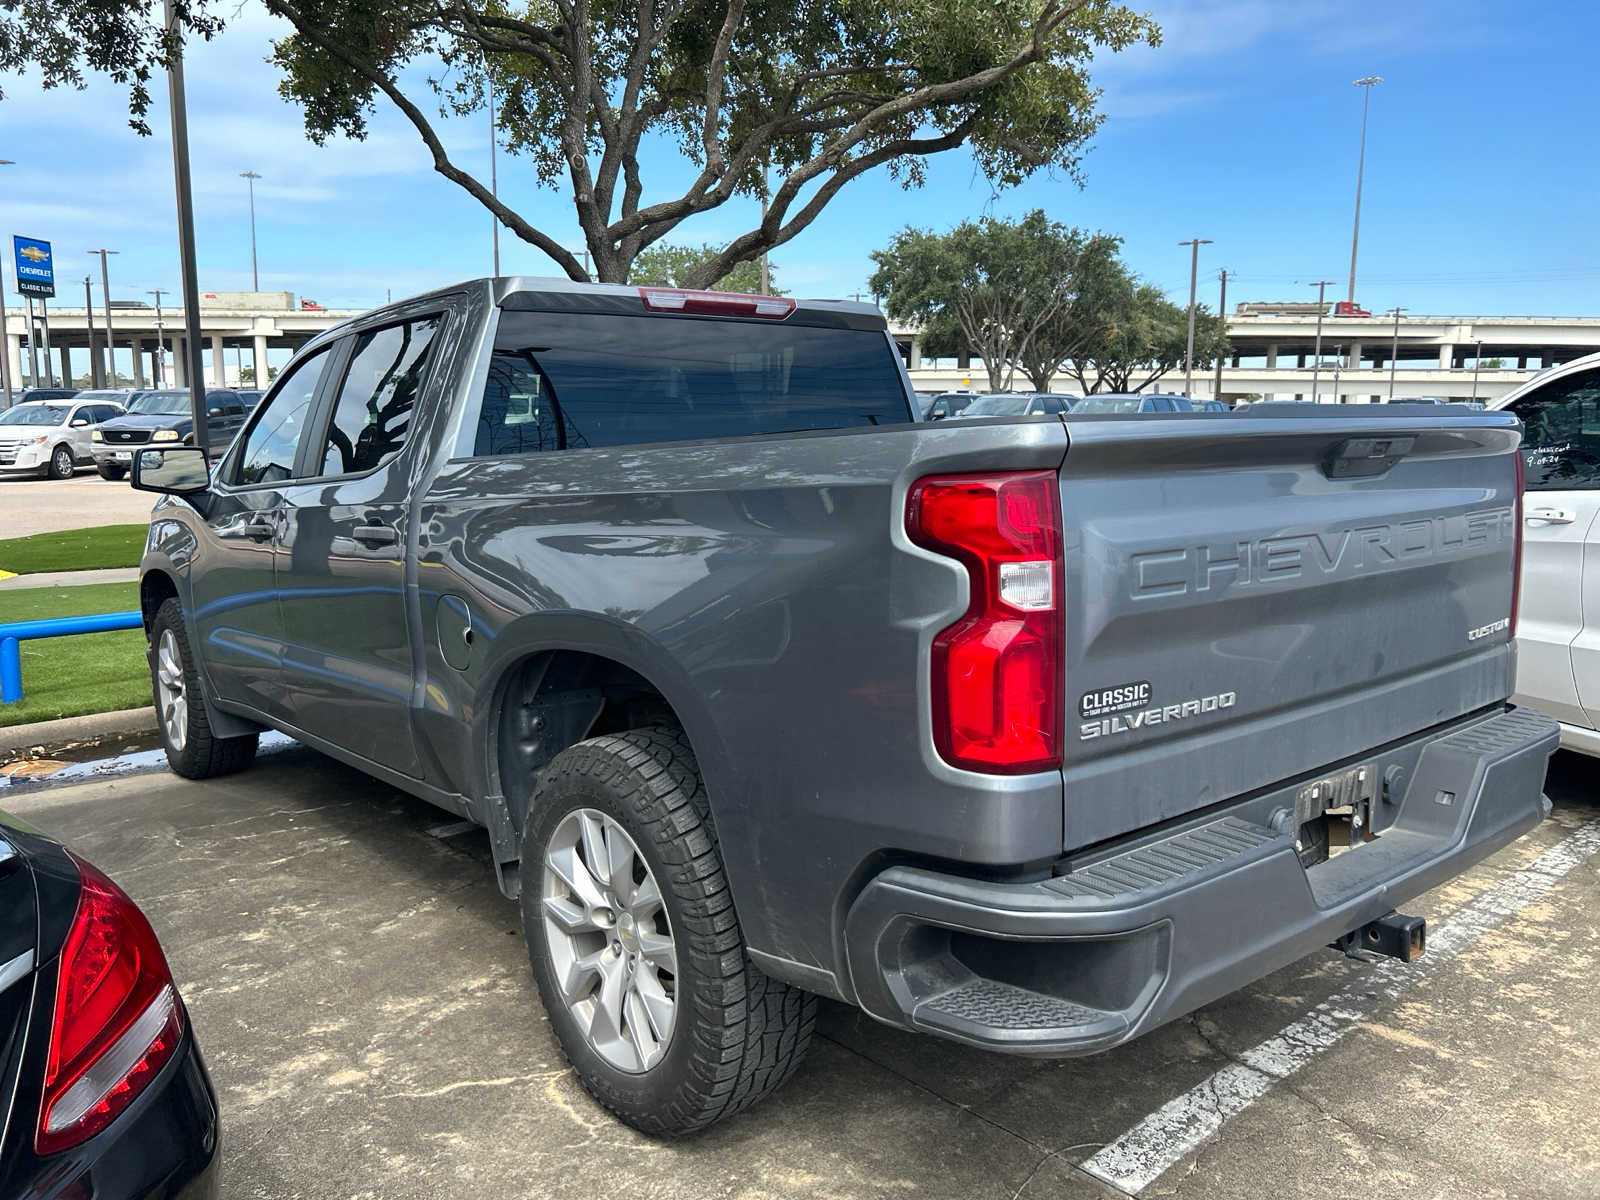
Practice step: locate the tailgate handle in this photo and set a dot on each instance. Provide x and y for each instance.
(1551, 516)
(1354, 458)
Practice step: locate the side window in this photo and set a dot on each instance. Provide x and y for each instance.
(1561, 438)
(373, 412)
(268, 452)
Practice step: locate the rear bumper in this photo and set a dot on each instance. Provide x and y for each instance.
(1144, 934)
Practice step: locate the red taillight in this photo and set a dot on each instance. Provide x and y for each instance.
(1516, 558)
(716, 304)
(117, 1016)
(997, 671)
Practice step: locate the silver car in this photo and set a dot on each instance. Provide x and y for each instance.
(49, 439)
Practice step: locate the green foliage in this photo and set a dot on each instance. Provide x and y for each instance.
(75, 550)
(71, 676)
(677, 266)
(1144, 337)
(1010, 291)
(788, 100)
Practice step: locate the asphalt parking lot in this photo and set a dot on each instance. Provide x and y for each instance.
(361, 992)
(43, 505)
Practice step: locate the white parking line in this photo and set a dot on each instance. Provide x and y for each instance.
(1140, 1156)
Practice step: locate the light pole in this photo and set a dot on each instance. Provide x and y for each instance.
(105, 295)
(1366, 83)
(95, 374)
(494, 182)
(1322, 286)
(1194, 245)
(161, 342)
(5, 338)
(250, 178)
(1477, 362)
(184, 193)
(1394, 350)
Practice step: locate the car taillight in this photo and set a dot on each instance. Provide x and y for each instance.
(997, 671)
(716, 304)
(117, 1016)
(1516, 557)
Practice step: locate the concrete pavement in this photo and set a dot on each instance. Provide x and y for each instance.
(362, 994)
(43, 505)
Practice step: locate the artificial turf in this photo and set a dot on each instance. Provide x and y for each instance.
(84, 673)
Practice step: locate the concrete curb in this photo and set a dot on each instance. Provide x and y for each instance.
(76, 729)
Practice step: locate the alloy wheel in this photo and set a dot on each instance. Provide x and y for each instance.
(63, 462)
(610, 940)
(172, 698)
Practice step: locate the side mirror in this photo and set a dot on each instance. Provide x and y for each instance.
(179, 471)
(214, 412)
(79, 422)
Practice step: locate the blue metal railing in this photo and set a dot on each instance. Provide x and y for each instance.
(13, 635)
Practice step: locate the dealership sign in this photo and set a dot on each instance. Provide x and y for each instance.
(36, 272)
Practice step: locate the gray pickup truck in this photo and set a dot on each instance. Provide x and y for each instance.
(1032, 733)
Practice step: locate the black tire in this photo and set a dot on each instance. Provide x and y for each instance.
(62, 463)
(737, 1034)
(201, 754)
(111, 473)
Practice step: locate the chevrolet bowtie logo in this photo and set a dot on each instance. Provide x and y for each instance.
(34, 254)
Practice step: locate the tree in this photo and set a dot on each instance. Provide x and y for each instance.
(809, 93)
(675, 266)
(1007, 288)
(1143, 336)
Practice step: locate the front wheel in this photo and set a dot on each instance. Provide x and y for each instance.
(635, 944)
(111, 473)
(193, 751)
(61, 463)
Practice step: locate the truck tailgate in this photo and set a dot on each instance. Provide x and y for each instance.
(1250, 598)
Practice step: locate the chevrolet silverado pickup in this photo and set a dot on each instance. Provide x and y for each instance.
(1032, 733)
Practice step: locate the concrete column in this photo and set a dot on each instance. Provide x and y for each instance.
(219, 368)
(13, 352)
(916, 353)
(66, 367)
(258, 358)
(1355, 356)
(138, 362)
(1447, 356)
(180, 363)
(1272, 354)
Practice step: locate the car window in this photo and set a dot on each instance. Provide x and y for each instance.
(268, 451)
(566, 381)
(373, 413)
(1561, 438)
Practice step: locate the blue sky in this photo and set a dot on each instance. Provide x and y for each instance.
(1482, 171)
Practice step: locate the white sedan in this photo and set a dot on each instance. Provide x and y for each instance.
(1558, 650)
(49, 439)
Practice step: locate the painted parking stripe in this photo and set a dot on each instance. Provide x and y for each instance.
(1145, 1152)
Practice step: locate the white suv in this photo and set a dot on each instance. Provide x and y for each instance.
(1558, 651)
(49, 439)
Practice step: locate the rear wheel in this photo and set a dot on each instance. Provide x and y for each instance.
(193, 751)
(635, 944)
(61, 463)
(112, 473)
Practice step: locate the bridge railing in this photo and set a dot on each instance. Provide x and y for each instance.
(13, 635)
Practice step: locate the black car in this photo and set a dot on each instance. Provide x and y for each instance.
(109, 1095)
(164, 416)
(43, 393)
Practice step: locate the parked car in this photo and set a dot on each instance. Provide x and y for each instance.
(1015, 405)
(164, 415)
(1102, 403)
(50, 439)
(107, 1094)
(1558, 655)
(948, 404)
(28, 395)
(1209, 406)
(249, 397)
(760, 685)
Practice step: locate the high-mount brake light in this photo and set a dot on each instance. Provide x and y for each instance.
(117, 1016)
(716, 304)
(1516, 557)
(997, 670)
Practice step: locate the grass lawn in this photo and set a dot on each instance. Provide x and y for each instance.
(74, 550)
(70, 676)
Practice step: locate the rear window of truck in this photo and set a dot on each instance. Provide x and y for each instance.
(568, 381)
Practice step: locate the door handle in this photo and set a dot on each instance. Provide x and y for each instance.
(1551, 516)
(375, 535)
(261, 529)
